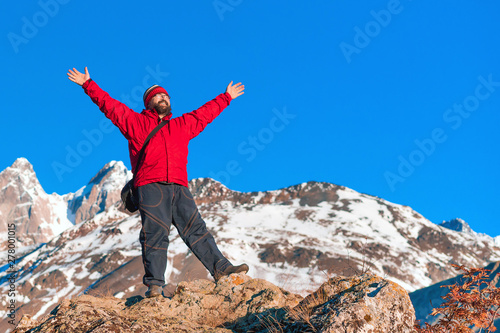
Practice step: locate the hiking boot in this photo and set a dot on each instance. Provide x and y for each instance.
(154, 291)
(230, 270)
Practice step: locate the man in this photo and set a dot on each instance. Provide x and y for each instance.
(161, 180)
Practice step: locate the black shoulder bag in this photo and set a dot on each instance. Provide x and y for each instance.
(129, 193)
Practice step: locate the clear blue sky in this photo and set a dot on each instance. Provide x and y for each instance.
(398, 99)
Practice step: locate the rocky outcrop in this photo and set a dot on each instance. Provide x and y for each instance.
(458, 225)
(239, 303)
(365, 303)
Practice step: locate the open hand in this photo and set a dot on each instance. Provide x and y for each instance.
(77, 77)
(235, 90)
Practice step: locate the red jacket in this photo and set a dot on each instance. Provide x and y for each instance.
(165, 157)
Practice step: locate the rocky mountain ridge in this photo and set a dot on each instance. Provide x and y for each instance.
(292, 237)
(102, 191)
(38, 216)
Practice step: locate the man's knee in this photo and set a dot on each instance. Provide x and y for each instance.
(196, 228)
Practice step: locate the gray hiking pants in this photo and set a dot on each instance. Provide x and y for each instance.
(161, 205)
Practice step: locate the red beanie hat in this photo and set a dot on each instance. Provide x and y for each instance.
(151, 91)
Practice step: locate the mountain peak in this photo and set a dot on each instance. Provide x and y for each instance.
(105, 174)
(22, 163)
(22, 176)
(102, 191)
(457, 225)
(21, 166)
(35, 213)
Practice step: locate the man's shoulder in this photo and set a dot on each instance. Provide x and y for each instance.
(148, 115)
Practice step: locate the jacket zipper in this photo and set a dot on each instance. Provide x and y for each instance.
(166, 149)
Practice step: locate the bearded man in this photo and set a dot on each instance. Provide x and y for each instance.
(161, 181)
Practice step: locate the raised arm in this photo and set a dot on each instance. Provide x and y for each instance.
(196, 121)
(121, 115)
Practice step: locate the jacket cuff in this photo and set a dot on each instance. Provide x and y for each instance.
(228, 96)
(86, 84)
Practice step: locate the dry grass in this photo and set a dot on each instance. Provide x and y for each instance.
(304, 311)
(272, 324)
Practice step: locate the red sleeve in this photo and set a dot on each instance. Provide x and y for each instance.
(126, 119)
(195, 121)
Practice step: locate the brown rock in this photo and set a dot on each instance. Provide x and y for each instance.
(358, 304)
(238, 303)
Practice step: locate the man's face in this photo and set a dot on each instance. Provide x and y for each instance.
(161, 103)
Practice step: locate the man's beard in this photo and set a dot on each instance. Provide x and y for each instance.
(162, 109)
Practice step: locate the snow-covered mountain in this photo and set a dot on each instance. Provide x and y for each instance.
(37, 216)
(294, 237)
(315, 228)
(101, 192)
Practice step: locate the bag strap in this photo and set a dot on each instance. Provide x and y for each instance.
(141, 152)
